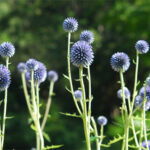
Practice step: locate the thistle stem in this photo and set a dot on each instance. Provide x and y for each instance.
(126, 126)
(69, 74)
(48, 104)
(101, 135)
(85, 117)
(5, 110)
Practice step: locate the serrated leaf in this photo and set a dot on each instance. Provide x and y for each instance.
(115, 139)
(133, 146)
(104, 145)
(65, 76)
(52, 147)
(71, 115)
(46, 136)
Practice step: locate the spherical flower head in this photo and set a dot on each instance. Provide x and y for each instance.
(78, 94)
(32, 64)
(7, 49)
(87, 36)
(40, 73)
(52, 75)
(142, 46)
(144, 144)
(126, 93)
(22, 67)
(4, 77)
(148, 81)
(81, 54)
(138, 101)
(142, 92)
(102, 120)
(120, 62)
(70, 25)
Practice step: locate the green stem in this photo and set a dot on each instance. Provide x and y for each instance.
(101, 135)
(48, 104)
(38, 115)
(36, 121)
(126, 126)
(85, 117)
(95, 133)
(69, 74)
(5, 110)
(90, 95)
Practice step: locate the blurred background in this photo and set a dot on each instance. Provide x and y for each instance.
(35, 28)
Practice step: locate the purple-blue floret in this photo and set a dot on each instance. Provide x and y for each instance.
(78, 94)
(32, 64)
(102, 120)
(120, 62)
(142, 46)
(52, 76)
(87, 36)
(81, 54)
(5, 78)
(7, 49)
(22, 67)
(70, 25)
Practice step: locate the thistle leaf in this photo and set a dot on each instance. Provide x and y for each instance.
(65, 76)
(71, 115)
(115, 139)
(52, 147)
(46, 136)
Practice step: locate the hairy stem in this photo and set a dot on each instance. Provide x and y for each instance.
(5, 110)
(48, 105)
(85, 117)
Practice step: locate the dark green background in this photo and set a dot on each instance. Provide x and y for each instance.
(35, 28)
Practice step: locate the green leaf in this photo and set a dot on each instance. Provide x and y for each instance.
(104, 145)
(1, 101)
(115, 139)
(93, 138)
(67, 89)
(33, 127)
(65, 76)
(52, 147)
(71, 115)
(46, 136)
(11, 117)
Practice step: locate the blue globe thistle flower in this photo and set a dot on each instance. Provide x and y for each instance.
(70, 25)
(144, 144)
(32, 64)
(52, 75)
(22, 67)
(120, 61)
(138, 101)
(142, 46)
(40, 73)
(4, 77)
(87, 36)
(142, 92)
(7, 49)
(148, 81)
(81, 54)
(102, 120)
(126, 93)
(147, 105)
(78, 94)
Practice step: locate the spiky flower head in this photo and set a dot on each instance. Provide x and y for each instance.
(144, 144)
(7, 49)
(120, 61)
(142, 92)
(81, 54)
(142, 46)
(78, 94)
(138, 101)
(40, 73)
(70, 25)
(126, 93)
(102, 120)
(52, 75)
(32, 64)
(4, 77)
(22, 67)
(87, 36)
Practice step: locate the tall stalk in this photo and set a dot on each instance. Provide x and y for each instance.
(5, 110)
(85, 117)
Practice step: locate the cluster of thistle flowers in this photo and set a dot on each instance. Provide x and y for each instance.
(7, 50)
(120, 62)
(81, 56)
(34, 73)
